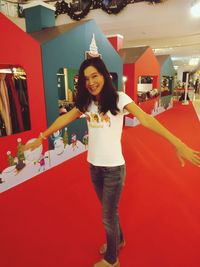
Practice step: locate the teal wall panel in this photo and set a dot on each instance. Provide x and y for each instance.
(167, 68)
(68, 50)
(38, 17)
(79, 127)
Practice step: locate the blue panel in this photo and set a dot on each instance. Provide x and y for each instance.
(68, 51)
(39, 17)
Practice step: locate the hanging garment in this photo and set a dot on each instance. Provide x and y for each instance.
(5, 105)
(19, 127)
(13, 110)
(2, 127)
(21, 87)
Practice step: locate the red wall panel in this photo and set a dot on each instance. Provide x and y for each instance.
(19, 49)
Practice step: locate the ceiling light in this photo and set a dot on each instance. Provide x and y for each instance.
(194, 61)
(195, 9)
(162, 50)
(124, 78)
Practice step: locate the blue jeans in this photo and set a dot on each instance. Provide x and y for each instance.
(108, 183)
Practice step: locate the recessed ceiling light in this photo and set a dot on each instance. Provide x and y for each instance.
(194, 61)
(163, 49)
(195, 9)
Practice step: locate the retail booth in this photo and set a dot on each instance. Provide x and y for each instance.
(141, 71)
(39, 73)
(141, 77)
(167, 77)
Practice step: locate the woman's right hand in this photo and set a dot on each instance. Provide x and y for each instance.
(33, 145)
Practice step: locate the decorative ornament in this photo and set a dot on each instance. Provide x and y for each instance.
(78, 9)
(74, 141)
(58, 142)
(61, 8)
(96, 4)
(20, 153)
(65, 138)
(11, 161)
(93, 47)
(1, 179)
(154, 1)
(93, 51)
(113, 6)
(85, 139)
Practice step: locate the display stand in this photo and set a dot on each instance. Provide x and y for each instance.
(167, 77)
(185, 101)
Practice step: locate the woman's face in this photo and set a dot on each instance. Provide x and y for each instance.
(94, 81)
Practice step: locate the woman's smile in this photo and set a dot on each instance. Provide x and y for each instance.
(94, 81)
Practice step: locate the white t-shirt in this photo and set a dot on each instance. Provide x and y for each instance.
(104, 146)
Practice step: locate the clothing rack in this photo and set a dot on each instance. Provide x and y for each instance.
(16, 116)
(13, 71)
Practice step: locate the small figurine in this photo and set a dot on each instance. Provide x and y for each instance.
(41, 162)
(20, 165)
(74, 141)
(58, 142)
(65, 137)
(85, 139)
(11, 160)
(1, 179)
(20, 156)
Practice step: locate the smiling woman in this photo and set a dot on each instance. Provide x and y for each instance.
(105, 156)
(94, 81)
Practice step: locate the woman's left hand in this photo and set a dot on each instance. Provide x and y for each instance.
(186, 153)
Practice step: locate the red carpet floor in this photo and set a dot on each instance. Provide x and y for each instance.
(54, 220)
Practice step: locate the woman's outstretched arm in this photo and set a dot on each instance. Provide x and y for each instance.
(58, 124)
(182, 150)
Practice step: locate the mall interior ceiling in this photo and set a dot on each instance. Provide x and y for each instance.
(167, 26)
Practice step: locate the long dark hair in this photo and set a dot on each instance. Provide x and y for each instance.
(108, 96)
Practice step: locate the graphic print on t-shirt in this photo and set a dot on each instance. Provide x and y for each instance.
(96, 120)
